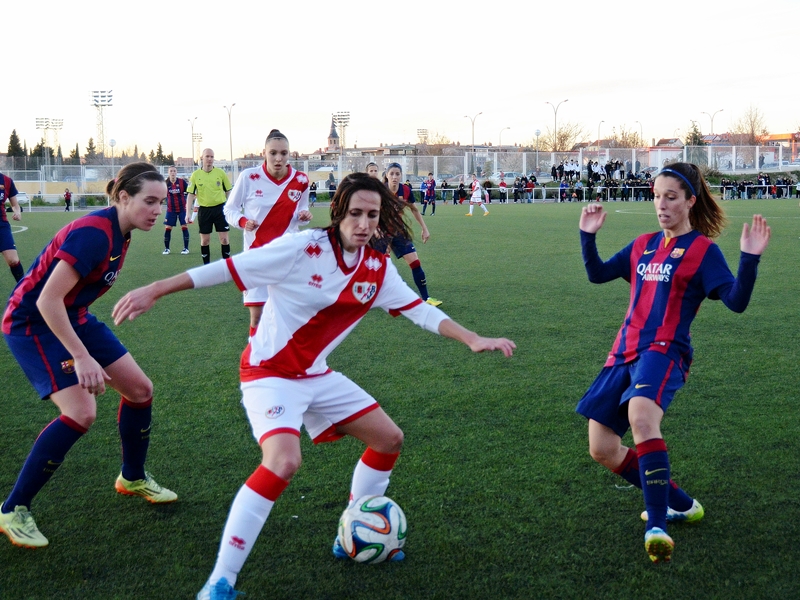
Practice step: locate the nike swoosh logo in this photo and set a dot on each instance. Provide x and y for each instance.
(648, 473)
(145, 430)
(113, 258)
(648, 251)
(53, 464)
(639, 386)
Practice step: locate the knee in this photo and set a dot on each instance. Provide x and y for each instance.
(604, 454)
(391, 442)
(83, 415)
(141, 391)
(284, 465)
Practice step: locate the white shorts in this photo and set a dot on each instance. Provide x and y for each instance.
(256, 297)
(275, 405)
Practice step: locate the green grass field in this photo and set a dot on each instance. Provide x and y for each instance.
(502, 498)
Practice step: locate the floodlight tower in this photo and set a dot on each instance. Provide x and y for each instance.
(43, 123)
(56, 125)
(422, 134)
(342, 120)
(101, 99)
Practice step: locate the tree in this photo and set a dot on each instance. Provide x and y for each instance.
(74, 156)
(569, 134)
(750, 129)
(40, 151)
(91, 152)
(153, 158)
(14, 147)
(160, 159)
(623, 138)
(694, 136)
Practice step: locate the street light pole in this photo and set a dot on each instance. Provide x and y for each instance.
(230, 134)
(555, 122)
(598, 139)
(191, 122)
(538, 133)
(641, 131)
(500, 141)
(473, 136)
(712, 118)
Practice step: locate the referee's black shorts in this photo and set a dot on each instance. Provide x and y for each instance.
(209, 217)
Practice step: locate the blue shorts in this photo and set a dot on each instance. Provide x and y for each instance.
(6, 239)
(653, 375)
(49, 366)
(172, 218)
(400, 246)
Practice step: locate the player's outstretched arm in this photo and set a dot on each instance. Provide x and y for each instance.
(592, 218)
(451, 329)
(140, 300)
(755, 238)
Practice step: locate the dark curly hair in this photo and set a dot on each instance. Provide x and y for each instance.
(391, 222)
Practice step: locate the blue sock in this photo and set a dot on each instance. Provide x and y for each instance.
(167, 237)
(419, 278)
(17, 271)
(46, 456)
(134, 433)
(629, 471)
(654, 470)
(185, 237)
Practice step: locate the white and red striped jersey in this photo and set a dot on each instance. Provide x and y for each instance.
(273, 204)
(315, 300)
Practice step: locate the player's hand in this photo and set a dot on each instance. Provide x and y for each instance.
(755, 238)
(425, 235)
(592, 218)
(133, 304)
(91, 376)
(305, 216)
(251, 225)
(482, 344)
(17, 216)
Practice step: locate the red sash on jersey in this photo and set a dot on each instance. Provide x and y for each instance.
(280, 215)
(310, 340)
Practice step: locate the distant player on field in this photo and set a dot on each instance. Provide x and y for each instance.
(402, 246)
(477, 196)
(670, 272)
(176, 209)
(321, 284)
(266, 202)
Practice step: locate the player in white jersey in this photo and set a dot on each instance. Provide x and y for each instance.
(477, 196)
(321, 283)
(266, 202)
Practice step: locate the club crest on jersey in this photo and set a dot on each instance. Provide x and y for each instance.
(274, 412)
(316, 281)
(294, 195)
(677, 252)
(363, 291)
(68, 366)
(313, 250)
(372, 263)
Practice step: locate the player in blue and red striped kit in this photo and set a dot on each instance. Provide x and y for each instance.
(176, 209)
(8, 191)
(69, 356)
(671, 272)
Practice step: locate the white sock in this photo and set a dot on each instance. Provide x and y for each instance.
(248, 514)
(368, 482)
(470, 208)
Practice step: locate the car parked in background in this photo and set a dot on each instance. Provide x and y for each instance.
(508, 176)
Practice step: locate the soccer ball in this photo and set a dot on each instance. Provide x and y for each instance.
(372, 529)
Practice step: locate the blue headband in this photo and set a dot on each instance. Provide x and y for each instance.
(673, 172)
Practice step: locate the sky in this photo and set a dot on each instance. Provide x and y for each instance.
(395, 67)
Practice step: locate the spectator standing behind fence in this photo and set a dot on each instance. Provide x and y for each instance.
(8, 191)
(67, 200)
(211, 186)
(176, 209)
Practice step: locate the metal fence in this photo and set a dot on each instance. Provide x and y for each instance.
(52, 179)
